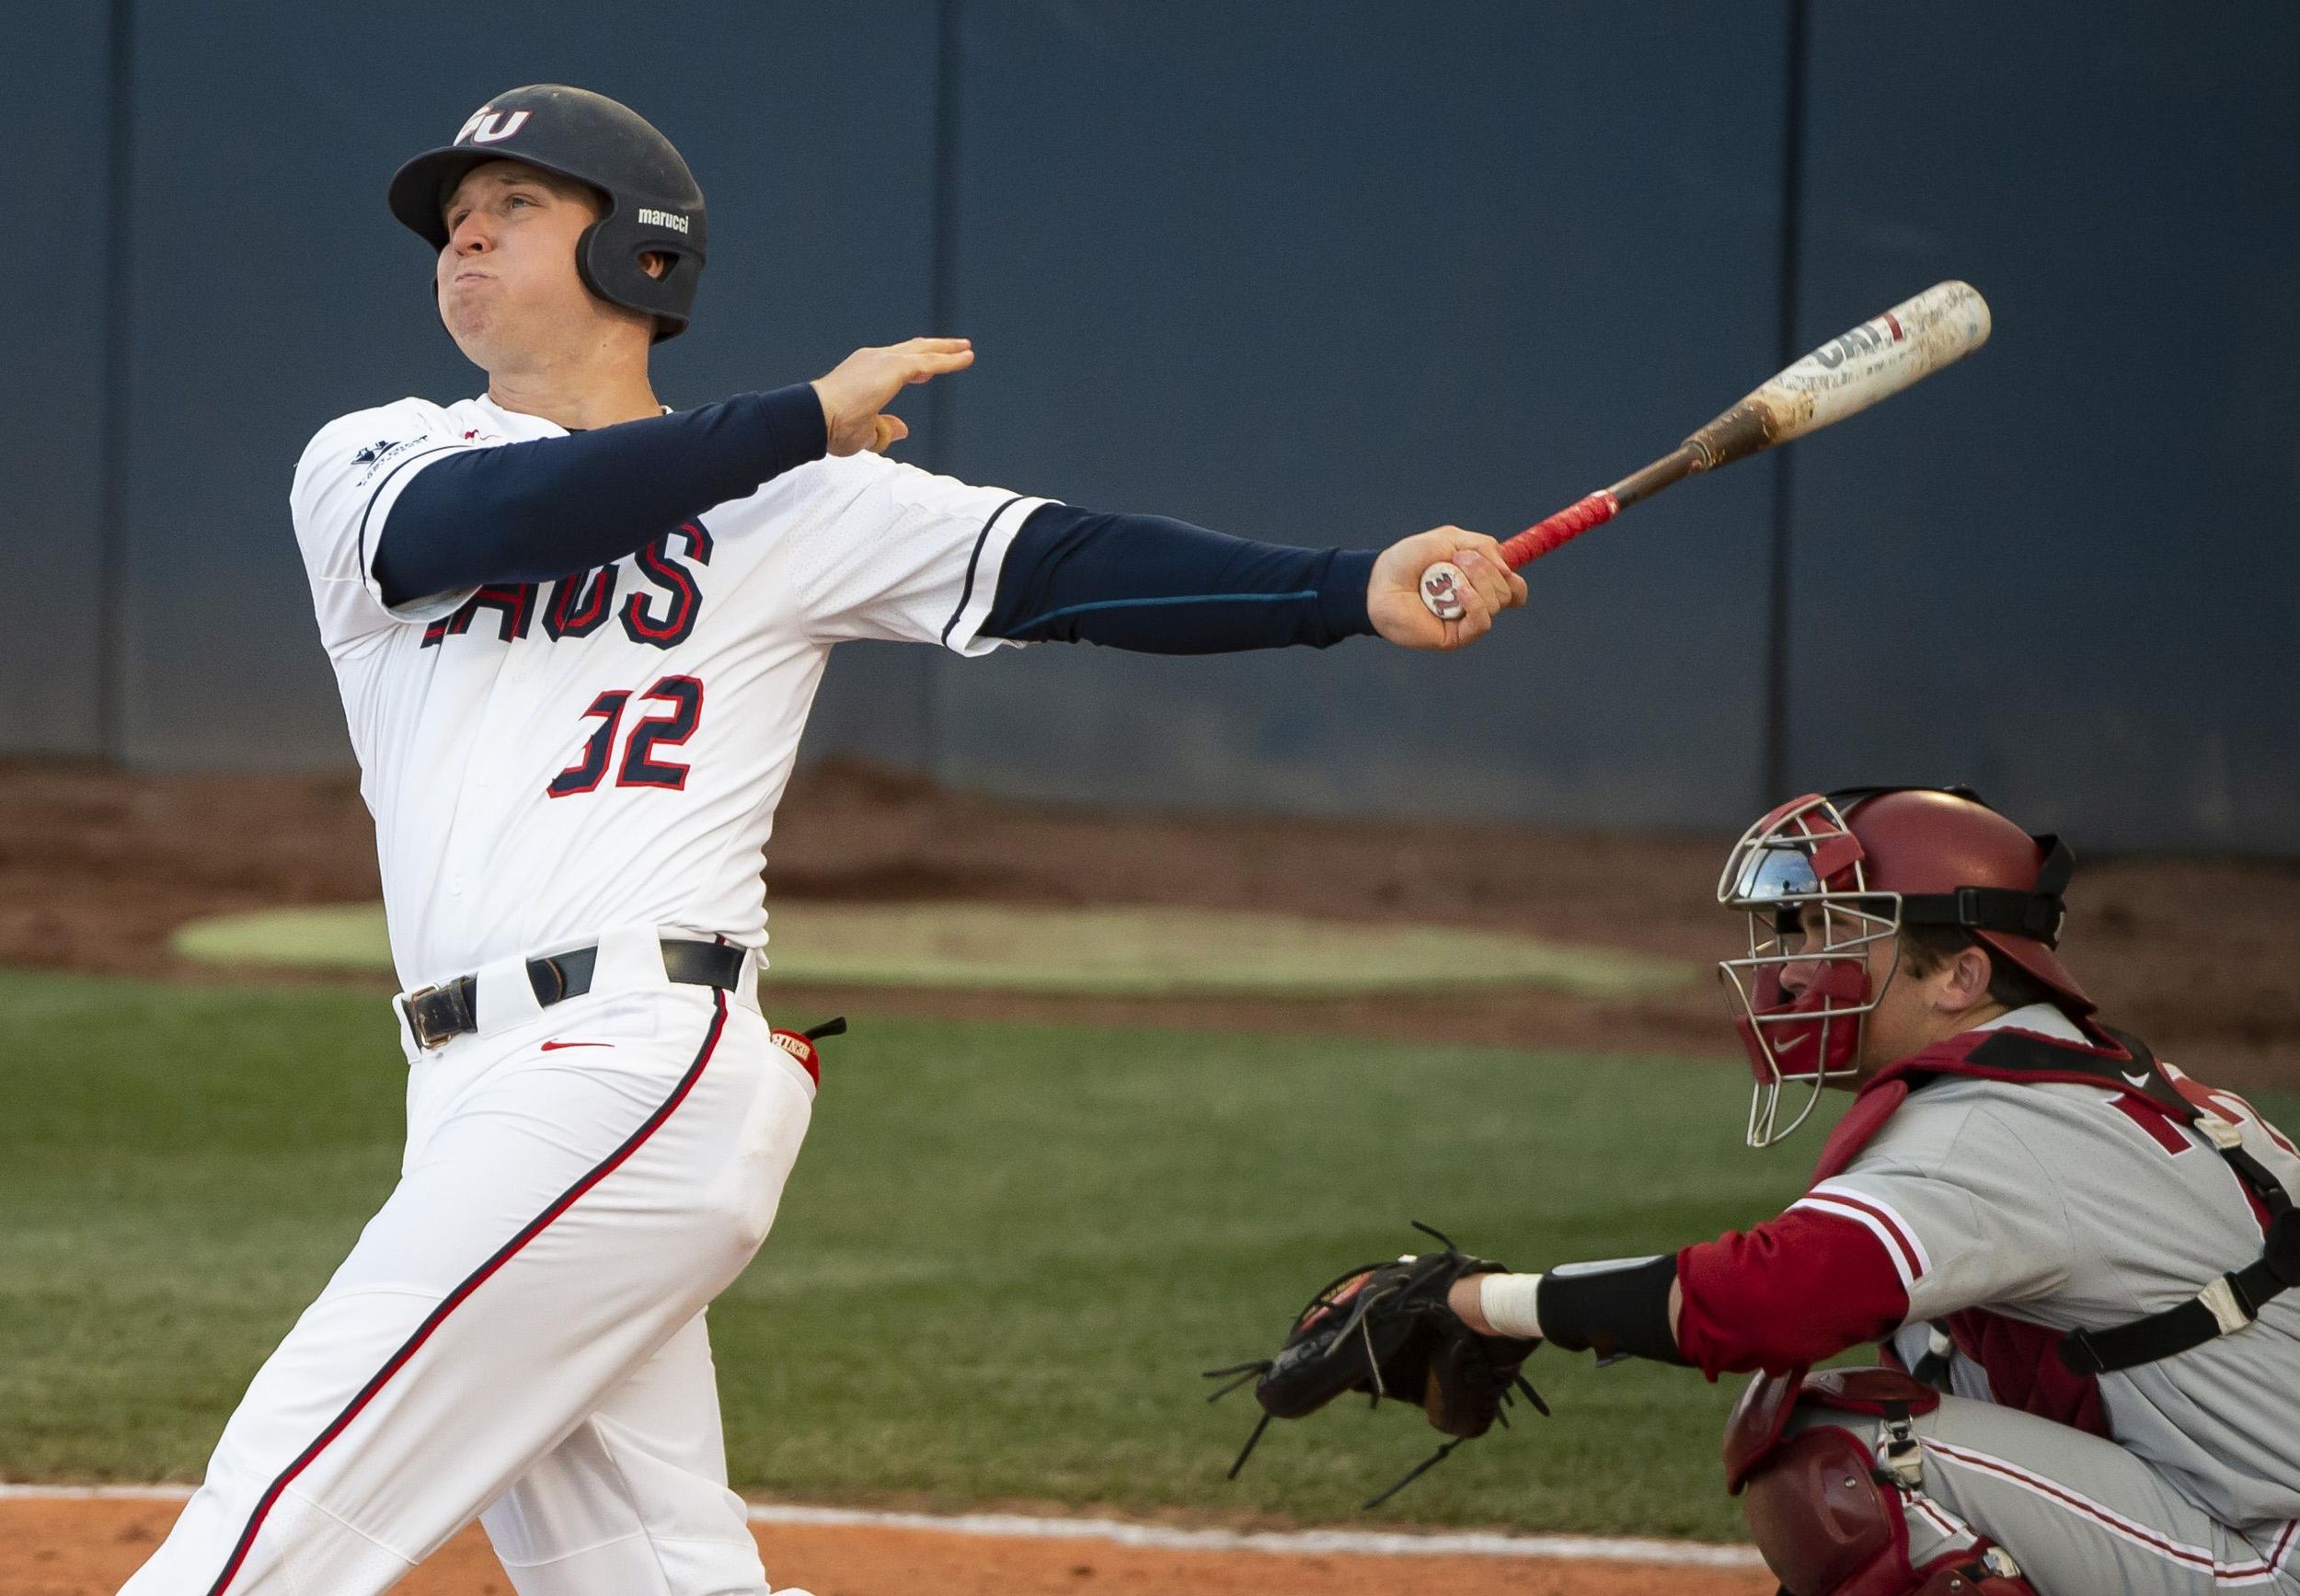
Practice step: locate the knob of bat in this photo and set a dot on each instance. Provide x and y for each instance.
(1442, 586)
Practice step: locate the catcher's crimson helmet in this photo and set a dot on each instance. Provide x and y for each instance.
(652, 199)
(1873, 860)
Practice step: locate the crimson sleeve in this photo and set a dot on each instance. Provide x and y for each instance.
(1791, 1292)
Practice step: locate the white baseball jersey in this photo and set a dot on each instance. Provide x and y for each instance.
(546, 761)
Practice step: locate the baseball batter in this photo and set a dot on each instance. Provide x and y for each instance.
(577, 637)
(2081, 1253)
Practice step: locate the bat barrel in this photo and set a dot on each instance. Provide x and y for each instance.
(1852, 372)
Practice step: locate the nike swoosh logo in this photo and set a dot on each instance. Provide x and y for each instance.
(2130, 1079)
(548, 1046)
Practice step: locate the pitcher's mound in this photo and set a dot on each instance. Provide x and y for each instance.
(1148, 951)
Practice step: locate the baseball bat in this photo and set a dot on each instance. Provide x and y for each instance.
(1843, 377)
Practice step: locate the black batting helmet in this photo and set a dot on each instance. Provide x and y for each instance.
(652, 203)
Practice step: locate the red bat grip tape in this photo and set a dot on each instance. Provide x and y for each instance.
(1561, 528)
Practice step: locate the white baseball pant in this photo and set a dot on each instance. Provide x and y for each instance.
(518, 1332)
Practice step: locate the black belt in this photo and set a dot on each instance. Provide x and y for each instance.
(438, 1014)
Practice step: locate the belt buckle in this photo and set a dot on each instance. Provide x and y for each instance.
(551, 967)
(410, 1007)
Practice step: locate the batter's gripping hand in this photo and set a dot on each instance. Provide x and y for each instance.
(1385, 1329)
(1393, 595)
(865, 384)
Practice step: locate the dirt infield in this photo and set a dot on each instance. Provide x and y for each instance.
(88, 1548)
(2197, 954)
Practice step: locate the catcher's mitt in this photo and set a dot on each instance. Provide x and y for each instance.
(1385, 1329)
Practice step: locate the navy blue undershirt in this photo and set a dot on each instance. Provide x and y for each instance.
(1157, 586)
(550, 507)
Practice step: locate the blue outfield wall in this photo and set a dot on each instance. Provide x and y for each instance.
(53, 362)
(2068, 571)
(1334, 280)
(1321, 272)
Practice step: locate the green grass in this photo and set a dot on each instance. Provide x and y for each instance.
(1005, 1254)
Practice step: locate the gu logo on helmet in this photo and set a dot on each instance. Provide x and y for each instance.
(489, 126)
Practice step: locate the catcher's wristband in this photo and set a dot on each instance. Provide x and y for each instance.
(1510, 1303)
(1617, 1308)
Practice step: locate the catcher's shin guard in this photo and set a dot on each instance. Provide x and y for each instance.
(1828, 1513)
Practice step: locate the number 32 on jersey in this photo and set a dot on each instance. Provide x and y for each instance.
(641, 764)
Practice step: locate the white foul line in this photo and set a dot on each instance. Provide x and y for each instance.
(1361, 1543)
(1159, 1537)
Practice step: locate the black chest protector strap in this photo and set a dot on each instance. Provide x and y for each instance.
(2222, 1308)
(2229, 1302)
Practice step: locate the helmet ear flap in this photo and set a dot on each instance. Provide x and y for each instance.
(595, 265)
(585, 246)
(607, 259)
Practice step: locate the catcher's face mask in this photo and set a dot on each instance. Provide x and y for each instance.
(1799, 995)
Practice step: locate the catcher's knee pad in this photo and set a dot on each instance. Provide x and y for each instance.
(1828, 1510)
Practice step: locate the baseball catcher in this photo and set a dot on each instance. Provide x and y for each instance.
(2076, 1260)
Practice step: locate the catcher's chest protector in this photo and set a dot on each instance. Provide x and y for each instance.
(1827, 1512)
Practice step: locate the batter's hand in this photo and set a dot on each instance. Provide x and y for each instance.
(866, 382)
(1393, 595)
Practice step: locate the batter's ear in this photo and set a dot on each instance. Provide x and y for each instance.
(653, 262)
